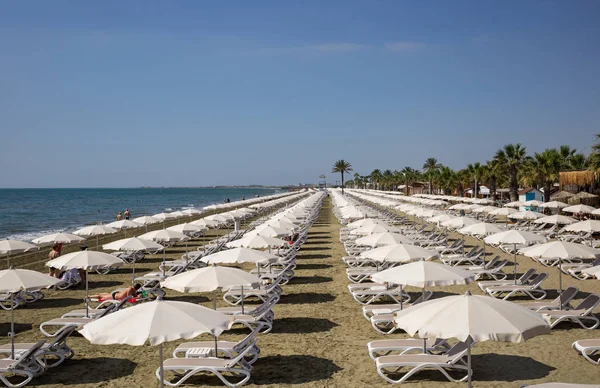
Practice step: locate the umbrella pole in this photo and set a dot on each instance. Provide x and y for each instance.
(424, 339)
(87, 304)
(216, 345)
(12, 325)
(162, 370)
(133, 271)
(242, 299)
(469, 385)
(515, 264)
(560, 288)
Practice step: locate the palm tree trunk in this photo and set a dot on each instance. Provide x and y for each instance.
(342, 183)
(475, 191)
(514, 186)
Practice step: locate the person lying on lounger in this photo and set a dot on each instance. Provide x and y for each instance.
(117, 295)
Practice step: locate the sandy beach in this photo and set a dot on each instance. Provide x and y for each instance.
(319, 335)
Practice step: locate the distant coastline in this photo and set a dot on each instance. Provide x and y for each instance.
(212, 187)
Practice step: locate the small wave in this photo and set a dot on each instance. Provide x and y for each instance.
(169, 209)
(28, 236)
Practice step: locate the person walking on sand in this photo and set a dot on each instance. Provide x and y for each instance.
(119, 216)
(127, 214)
(54, 253)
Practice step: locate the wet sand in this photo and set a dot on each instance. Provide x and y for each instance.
(319, 336)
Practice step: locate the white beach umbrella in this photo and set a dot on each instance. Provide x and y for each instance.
(441, 218)
(156, 322)
(596, 212)
(386, 238)
(132, 244)
(514, 237)
(269, 231)
(380, 228)
(220, 218)
(484, 209)
(16, 280)
(282, 224)
(471, 318)
(588, 226)
(579, 209)
(556, 219)
(560, 250)
(187, 228)
(503, 211)
(424, 274)
(258, 242)
(515, 204)
(146, 220)
(163, 216)
(65, 238)
(365, 222)
(533, 203)
(205, 222)
(85, 260)
(402, 253)
(553, 205)
(164, 235)
(239, 256)
(95, 230)
(15, 246)
(459, 222)
(526, 215)
(480, 229)
(124, 224)
(593, 271)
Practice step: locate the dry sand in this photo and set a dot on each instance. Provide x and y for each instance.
(319, 336)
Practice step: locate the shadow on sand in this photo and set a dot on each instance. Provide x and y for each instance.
(302, 325)
(306, 298)
(292, 369)
(88, 371)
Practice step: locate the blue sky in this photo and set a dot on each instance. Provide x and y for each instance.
(131, 93)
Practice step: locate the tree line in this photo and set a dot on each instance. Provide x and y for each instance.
(510, 167)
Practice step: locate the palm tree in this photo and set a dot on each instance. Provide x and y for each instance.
(342, 167)
(510, 158)
(357, 180)
(375, 177)
(491, 172)
(387, 178)
(544, 169)
(447, 179)
(430, 167)
(475, 171)
(408, 178)
(594, 159)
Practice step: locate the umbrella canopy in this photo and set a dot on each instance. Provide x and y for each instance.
(281, 224)
(503, 211)
(186, 228)
(514, 237)
(459, 222)
(589, 226)
(163, 216)
(379, 228)
(471, 318)
(402, 253)
(556, 219)
(191, 212)
(441, 218)
(146, 220)
(210, 278)
(239, 255)
(386, 238)
(177, 214)
(560, 249)
(155, 322)
(485, 209)
(164, 235)
(64, 238)
(480, 229)
(218, 217)
(15, 246)
(132, 244)
(476, 317)
(596, 212)
(270, 231)
(95, 230)
(124, 224)
(579, 209)
(258, 242)
(424, 274)
(533, 202)
(84, 260)
(593, 271)
(553, 205)
(15, 280)
(526, 215)
(515, 204)
(205, 222)
(365, 222)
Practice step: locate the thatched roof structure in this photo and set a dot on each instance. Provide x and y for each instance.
(561, 196)
(578, 178)
(584, 194)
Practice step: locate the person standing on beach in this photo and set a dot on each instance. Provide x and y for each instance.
(54, 253)
(127, 214)
(119, 216)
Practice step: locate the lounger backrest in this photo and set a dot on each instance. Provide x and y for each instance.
(589, 303)
(247, 341)
(492, 263)
(62, 336)
(457, 351)
(527, 275)
(567, 295)
(421, 299)
(537, 281)
(26, 357)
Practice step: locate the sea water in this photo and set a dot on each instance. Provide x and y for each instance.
(26, 214)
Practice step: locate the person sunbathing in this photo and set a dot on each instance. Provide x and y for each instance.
(117, 295)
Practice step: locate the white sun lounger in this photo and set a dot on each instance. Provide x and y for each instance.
(588, 348)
